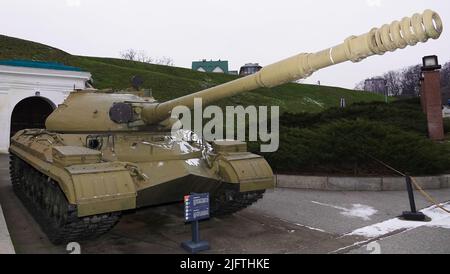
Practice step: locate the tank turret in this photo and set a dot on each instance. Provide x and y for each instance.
(103, 112)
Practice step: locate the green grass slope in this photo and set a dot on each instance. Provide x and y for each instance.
(171, 82)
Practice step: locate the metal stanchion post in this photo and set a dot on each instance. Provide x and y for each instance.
(412, 215)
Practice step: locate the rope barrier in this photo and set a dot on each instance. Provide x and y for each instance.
(416, 184)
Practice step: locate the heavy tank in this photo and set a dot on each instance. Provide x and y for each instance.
(101, 153)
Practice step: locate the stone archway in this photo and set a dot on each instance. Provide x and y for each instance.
(30, 112)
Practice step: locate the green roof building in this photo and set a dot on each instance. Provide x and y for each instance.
(37, 64)
(210, 66)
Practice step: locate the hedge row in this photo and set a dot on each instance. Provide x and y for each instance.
(347, 141)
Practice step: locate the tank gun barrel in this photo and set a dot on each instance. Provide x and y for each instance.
(390, 37)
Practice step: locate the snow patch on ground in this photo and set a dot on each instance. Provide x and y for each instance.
(439, 218)
(361, 211)
(357, 210)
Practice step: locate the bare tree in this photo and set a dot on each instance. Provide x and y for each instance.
(445, 75)
(141, 56)
(166, 61)
(360, 85)
(405, 81)
(393, 82)
(410, 81)
(129, 54)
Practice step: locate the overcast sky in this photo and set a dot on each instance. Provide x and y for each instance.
(235, 30)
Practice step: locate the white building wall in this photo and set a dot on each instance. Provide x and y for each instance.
(218, 70)
(18, 83)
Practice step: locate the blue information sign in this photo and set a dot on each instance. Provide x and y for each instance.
(196, 207)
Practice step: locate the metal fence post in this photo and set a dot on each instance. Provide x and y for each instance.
(412, 215)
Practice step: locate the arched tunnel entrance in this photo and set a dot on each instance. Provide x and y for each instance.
(31, 112)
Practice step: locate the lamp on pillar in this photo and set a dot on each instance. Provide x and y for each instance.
(430, 63)
(431, 96)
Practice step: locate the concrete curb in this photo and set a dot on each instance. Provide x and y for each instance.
(358, 183)
(6, 246)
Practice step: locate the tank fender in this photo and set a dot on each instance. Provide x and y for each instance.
(250, 171)
(102, 188)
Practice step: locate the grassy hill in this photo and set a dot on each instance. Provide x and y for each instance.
(170, 82)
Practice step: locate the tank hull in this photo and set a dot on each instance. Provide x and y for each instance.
(122, 174)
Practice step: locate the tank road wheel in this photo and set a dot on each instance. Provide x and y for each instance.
(15, 175)
(49, 207)
(227, 201)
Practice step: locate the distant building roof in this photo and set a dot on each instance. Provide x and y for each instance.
(251, 65)
(249, 68)
(38, 64)
(210, 66)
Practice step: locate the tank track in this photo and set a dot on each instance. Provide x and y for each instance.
(49, 207)
(227, 201)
